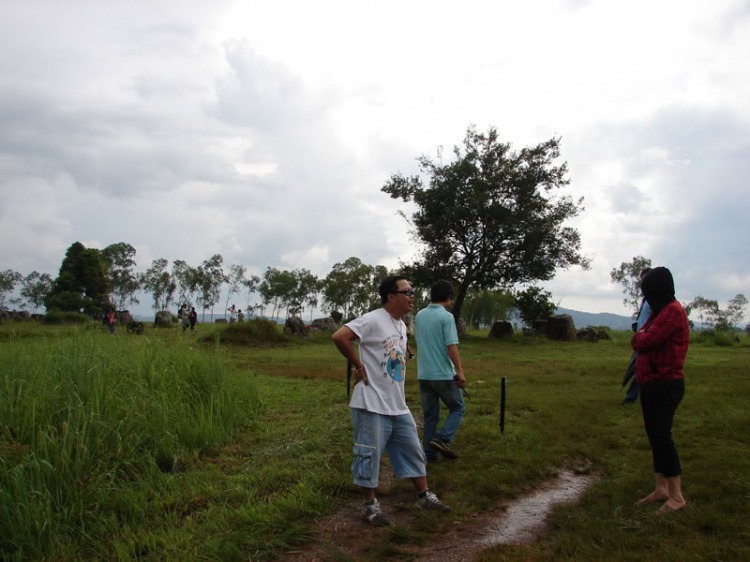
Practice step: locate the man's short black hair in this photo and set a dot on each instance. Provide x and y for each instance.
(388, 286)
(441, 291)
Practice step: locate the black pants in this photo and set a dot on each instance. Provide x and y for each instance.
(659, 401)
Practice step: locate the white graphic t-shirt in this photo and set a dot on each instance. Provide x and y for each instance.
(382, 348)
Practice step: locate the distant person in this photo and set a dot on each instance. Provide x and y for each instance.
(240, 316)
(440, 374)
(643, 313)
(193, 318)
(110, 317)
(382, 420)
(232, 314)
(662, 344)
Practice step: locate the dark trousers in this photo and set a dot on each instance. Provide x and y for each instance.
(432, 393)
(659, 401)
(632, 394)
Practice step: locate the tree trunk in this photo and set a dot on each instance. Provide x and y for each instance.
(458, 304)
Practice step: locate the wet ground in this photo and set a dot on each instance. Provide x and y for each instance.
(518, 521)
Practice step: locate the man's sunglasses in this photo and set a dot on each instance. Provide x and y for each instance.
(407, 292)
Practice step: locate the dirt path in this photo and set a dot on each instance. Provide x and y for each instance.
(521, 520)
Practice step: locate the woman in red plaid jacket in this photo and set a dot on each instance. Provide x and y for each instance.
(662, 344)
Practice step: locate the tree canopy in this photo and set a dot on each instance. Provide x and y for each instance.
(160, 284)
(35, 288)
(491, 217)
(82, 282)
(352, 287)
(123, 283)
(533, 304)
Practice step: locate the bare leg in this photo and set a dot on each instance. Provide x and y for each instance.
(675, 501)
(420, 483)
(369, 494)
(660, 493)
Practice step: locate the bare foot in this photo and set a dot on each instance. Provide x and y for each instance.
(656, 496)
(670, 506)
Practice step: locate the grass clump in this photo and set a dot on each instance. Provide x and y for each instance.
(83, 417)
(257, 331)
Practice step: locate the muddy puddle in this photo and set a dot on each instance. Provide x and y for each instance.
(525, 518)
(521, 520)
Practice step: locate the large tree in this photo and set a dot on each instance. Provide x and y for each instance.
(534, 304)
(735, 311)
(81, 283)
(187, 280)
(629, 276)
(123, 283)
(210, 279)
(305, 292)
(351, 287)
(250, 285)
(235, 280)
(491, 217)
(160, 284)
(277, 288)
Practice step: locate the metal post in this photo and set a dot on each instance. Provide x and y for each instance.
(502, 405)
(348, 376)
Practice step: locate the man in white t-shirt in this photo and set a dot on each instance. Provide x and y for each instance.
(382, 420)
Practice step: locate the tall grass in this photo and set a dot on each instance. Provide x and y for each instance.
(80, 416)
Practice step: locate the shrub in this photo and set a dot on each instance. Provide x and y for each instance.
(257, 331)
(723, 339)
(57, 317)
(712, 337)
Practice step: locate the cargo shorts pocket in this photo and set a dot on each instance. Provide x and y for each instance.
(362, 465)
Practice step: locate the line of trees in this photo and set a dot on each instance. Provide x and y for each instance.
(92, 279)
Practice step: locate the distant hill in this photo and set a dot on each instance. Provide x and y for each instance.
(583, 319)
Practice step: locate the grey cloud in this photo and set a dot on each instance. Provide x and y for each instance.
(699, 177)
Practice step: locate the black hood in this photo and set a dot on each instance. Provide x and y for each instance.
(658, 288)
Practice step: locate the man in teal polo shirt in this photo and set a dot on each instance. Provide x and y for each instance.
(441, 377)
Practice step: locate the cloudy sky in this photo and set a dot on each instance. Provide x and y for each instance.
(264, 131)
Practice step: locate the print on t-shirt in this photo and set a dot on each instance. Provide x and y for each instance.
(395, 366)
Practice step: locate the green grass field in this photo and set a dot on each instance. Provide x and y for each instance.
(167, 447)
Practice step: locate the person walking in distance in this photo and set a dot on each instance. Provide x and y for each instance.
(439, 371)
(382, 420)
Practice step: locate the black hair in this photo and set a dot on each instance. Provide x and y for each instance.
(388, 286)
(441, 291)
(658, 288)
(646, 271)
